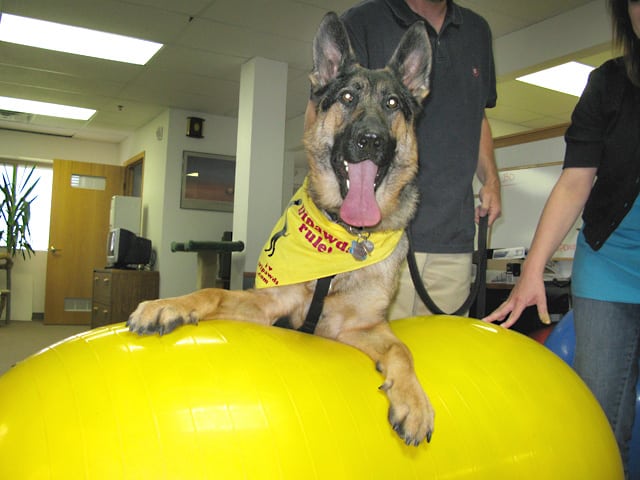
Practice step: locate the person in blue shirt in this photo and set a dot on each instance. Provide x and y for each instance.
(601, 179)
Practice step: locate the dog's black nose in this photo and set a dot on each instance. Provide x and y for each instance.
(370, 144)
(369, 140)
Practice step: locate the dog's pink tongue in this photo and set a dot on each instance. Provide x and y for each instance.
(359, 207)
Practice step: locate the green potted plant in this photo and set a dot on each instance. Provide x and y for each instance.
(15, 210)
(15, 213)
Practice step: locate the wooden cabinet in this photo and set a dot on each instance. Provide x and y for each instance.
(116, 293)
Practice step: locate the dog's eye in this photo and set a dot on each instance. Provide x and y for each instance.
(347, 98)
(393, 103)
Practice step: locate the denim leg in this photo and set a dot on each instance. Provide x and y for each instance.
(607, 349)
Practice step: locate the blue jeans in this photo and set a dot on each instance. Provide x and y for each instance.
(606, 357)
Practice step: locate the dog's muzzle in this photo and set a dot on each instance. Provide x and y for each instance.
(361, 161)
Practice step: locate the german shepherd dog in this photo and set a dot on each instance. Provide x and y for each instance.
(362, 155)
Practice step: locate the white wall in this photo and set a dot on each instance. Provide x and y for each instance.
(580, 29)
(533, 153)
(30, 146)
(31, 273)
(528, 173)
(28, 278)
(163, 219)
(155, 150)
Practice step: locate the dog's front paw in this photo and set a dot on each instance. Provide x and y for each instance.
(410, 412)
(159, 316)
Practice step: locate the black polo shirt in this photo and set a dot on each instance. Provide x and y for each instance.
(463, 84)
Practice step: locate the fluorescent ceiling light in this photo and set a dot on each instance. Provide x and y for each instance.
(43, 108)
(568, 78)
(80, 41)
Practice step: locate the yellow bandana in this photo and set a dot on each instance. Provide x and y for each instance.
(305, 245)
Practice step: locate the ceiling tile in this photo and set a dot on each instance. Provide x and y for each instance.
(208, 41)
(113, 16)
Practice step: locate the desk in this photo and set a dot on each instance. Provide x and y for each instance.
(117, 293)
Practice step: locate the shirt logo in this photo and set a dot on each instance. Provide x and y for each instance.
(475, 71)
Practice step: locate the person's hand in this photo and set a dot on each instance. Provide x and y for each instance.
(490, 203)
(525, 293)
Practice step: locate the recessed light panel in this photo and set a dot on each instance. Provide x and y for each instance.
(76, 40)
(44, 108)
(568, 78)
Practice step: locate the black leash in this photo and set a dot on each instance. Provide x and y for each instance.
(478, 289)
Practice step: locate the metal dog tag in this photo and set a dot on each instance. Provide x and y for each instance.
(358, 251)
(361, 248)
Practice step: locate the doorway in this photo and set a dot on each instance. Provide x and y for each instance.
(80, 203)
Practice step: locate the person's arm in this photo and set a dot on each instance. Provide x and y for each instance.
(565, 203)
(487, 173)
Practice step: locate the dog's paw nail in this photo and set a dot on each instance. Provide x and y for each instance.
(384, 387)
(429, 435)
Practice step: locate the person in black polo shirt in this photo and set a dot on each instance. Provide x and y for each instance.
(454, 138)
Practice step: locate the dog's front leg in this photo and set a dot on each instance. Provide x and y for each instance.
(410, 412)
(257, 306)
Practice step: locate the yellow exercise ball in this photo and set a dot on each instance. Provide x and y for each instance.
(227, 400)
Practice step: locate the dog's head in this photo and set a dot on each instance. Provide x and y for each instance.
(362, 147)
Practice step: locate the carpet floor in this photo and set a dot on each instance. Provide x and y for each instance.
(19, 340)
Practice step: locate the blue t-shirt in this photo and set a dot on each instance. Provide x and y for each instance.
(611, 273)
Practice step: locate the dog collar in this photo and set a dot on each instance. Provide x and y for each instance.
(306, 245)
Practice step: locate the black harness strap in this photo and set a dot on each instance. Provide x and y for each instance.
(317, 303)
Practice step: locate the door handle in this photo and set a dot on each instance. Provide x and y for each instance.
(54, 250)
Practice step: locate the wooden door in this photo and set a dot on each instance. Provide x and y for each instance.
(80, 204)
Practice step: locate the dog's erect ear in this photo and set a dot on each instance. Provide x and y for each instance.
(412, 60)
(331, 51)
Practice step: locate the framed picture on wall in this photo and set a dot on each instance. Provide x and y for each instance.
(208, 181)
